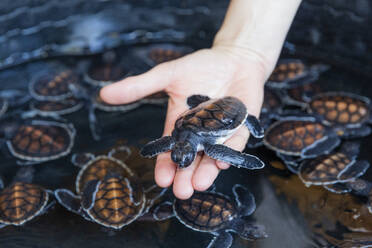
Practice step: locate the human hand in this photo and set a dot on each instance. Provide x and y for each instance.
(216, 72)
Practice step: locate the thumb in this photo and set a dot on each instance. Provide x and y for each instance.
(134, 88)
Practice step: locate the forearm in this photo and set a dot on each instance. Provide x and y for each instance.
(256, 29)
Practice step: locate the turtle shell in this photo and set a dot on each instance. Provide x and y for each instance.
(41, 141)
(301, 93)
(290, 137)
(117, 203)
(21, 202)
(325, 169)
(216, 115)
(102, 74)
(60, 108)
(99, 168)
(102, 105)
(205, 211)
(337, 108)
(288, 70)
(53, 86)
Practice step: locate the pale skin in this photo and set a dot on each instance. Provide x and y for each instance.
(239, 62)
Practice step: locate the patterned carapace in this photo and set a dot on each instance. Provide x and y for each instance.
(117, 203)
(324, 169)
(287, 70)
(40, 140)
(339, 108)
(224, 114)
(21, 202)
(299, 92)
(54, 106)
(291, 136)
(54, 85)
(205, 211)
(99, 168)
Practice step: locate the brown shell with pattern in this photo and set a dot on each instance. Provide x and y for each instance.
(117, 203)
(298, 93)
(53, 86)
(287, 70)
(292, 136)
(205, 211)
(215, 115)
(324, 169)
(337, 108)
(41, 141)
(21, 202)
(58, 107)
(98, 169)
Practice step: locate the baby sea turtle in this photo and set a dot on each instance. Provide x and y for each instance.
(159, 53)
(217, 214)
(205, 127)
(53, 85)
(343, 109)
(291, 73)
(108, 192)
(336, 167)
(37, 141)
(22, 201)
(105, 71)
(301, 95)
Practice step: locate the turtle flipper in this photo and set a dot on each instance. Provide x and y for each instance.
(254, 126)
(233, 157)
(222, 240)
(155, 147)
(247, 230)
(322, 146)
(89, 194)
(244, 200)
(163, 211)
(95, 129)
(354, 170)
(68, 200)
(358, 132)
(80, 159)
(195, 100)
(338, 188)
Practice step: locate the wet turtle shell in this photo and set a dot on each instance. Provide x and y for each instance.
(205, 211)
(49, 108)
(339, 108)
(41, 140)
(53, 86)
(224, 114)
(98, 168)
(116, 203)
(21, 202)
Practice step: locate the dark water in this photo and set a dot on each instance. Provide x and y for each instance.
(294, 216)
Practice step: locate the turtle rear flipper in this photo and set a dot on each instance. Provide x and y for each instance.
(162, 211)
(222, 240)
(233, 157)
(323, 146)
(247, 230)
(356, 132)
(155, 147)
(68, 200)
(254, 126)
(338, 188)
(244, 200)
(195, 100)
(354, 170)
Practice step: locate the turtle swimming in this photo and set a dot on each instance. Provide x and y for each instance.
(37, 141)
(204, 127)
(217, 214)
(22, 201)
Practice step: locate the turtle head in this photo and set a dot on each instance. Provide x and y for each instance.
(183, 153)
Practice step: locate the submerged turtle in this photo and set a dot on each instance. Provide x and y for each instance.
(291, 73)
(217, 214)
(205, 127)
(159, 53)
(108, 192)
(36, 141)
(336, 167)
(22, 201)
(53, 86)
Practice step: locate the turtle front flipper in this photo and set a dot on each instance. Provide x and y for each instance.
(222, 240)
(68, 200)
(337, 188)
(356, 132)
(322, 146)
(247, 230)
(354, 170)
(244, 200)
(158, 146)
(195, 100)
(254, 126)
(233, 157)
(89, 194)
(80, 159)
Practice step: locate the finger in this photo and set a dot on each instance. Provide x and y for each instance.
(236, 142)
(182, 186)
(133, 88)
(205, 174)
(165, 170)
